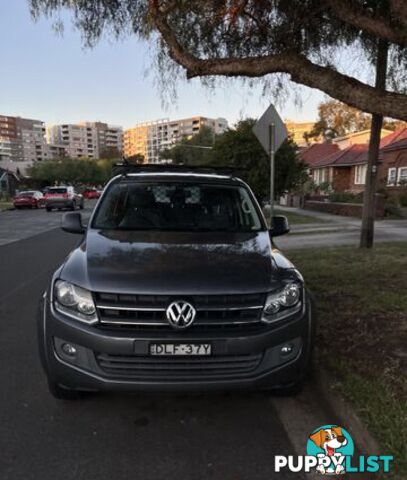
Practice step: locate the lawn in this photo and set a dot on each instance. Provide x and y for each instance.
(362, 333)
(5, 205)
(297, 219)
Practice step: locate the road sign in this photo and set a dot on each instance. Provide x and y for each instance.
(271, 133)
(262, 129)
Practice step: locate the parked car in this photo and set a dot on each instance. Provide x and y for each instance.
(63, 197)
(91, 193)
(177, 285)
(29, 199)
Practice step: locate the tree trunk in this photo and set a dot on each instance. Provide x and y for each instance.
(368, 214)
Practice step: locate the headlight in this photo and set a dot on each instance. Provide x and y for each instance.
(74, 301)
(280, 304)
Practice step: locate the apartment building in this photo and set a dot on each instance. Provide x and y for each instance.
(22, 143)
(11, 147)
(297, 131)
(86, 139)
(150, 138)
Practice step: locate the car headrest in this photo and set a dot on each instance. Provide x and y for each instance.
(213, 197)
(178, 196)
(141, 197)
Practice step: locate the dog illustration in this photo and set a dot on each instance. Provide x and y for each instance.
(329, 439)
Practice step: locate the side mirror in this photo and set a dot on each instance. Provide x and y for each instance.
(279, 226)
(72, 223)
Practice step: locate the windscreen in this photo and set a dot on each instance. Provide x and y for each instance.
(26, 194)
(56, 190)
(177, 207)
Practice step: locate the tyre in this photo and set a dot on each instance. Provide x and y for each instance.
(48, 209)
(288, 390)
(63, 393)
(81, 206)
(73, 206)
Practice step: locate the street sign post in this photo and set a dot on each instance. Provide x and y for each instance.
(271, 133)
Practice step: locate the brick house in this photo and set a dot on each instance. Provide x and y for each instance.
(313, 156)
(345, 169)
(393, 171)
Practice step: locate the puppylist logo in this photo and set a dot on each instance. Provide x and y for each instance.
(330, 451)
(331, 445)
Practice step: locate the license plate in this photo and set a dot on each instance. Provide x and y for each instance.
(181, 349)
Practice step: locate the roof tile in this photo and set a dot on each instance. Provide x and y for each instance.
(315, 152)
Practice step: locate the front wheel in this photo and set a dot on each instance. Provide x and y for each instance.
(73, 206)
(289, 390)
(63, 393)
(48, 209)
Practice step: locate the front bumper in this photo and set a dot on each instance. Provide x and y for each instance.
(116, 361)
(25, 203)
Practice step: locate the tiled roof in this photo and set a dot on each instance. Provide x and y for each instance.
(357, 154)
(389, 142)
(315, 152)
(395, 139)
(352, 155)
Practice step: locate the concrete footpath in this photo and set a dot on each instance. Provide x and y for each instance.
(334, 230)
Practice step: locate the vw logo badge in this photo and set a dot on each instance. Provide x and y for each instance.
(180, 314)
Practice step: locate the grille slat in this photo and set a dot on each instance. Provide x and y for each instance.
(148, 311)
(169, 368)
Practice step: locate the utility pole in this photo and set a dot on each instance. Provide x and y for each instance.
(369, 197)
(272, 165)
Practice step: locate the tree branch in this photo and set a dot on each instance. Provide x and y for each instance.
(301, 70)
(399, 10)
(350, 13)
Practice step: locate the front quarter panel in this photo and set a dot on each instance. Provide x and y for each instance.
(75, 269)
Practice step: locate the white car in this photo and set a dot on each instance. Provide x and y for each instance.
(63, 197)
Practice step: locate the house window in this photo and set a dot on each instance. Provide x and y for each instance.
(321, 175)
(360, 174)
(402, 177)
(391, 176)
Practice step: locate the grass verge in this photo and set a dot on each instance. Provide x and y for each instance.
(5, 206)
(297, 219)
(362, 335)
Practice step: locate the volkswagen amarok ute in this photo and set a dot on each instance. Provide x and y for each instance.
(176, 285)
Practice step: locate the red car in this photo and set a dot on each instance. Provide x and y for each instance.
(91, 193)
(30, 199)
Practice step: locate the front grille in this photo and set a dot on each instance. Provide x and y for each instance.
(147, 312)
(186, 368)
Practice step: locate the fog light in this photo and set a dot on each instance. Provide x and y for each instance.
(69, 349)
(286, 349)
(271, 308)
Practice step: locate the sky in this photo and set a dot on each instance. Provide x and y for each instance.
(52, 77)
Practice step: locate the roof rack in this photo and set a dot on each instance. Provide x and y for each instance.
(124, 168)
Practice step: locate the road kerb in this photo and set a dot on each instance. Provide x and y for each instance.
(365, 441)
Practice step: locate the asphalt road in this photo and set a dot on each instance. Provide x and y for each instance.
(115, 437)
(19, 224)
